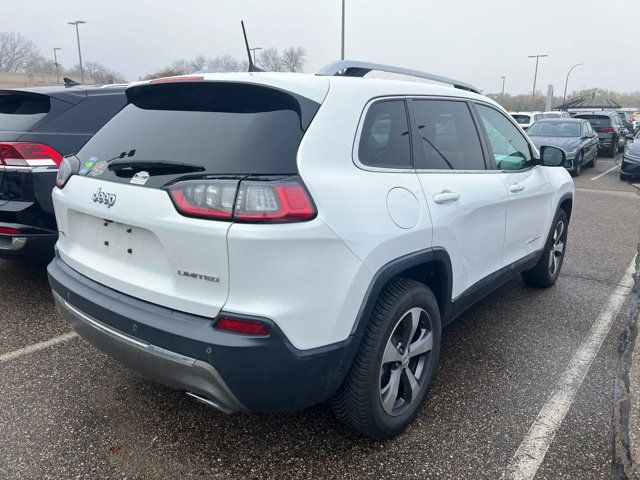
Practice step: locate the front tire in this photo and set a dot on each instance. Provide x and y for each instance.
(545, 273)
(393, 370)
(577, 165)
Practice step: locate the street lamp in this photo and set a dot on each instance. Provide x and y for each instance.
(55, 62)
(502, 95)
(535, 77)
(564, 98)
(76, 23)
(342, 41)
(254, 53)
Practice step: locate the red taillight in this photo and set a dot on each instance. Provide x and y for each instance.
(247, 201)
(28, 154)
(247, 327)
(273, 201)
(607, 130)
(9, 231)
(205, 198)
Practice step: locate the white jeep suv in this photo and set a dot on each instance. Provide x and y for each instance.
(268, 241)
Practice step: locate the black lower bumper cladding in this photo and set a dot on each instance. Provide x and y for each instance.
(235, 372)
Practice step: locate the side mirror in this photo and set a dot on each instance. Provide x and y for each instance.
(552, 156)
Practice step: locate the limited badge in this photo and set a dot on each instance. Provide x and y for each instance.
(140, 178)
(98, 169)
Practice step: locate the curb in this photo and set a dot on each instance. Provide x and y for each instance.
(625, 466)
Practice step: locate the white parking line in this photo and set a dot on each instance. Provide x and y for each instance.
(532, 450)
(604, 173)
(5, 357)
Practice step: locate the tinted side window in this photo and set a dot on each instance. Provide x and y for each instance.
(88, 116)
(384, 141)
(448, 136)
(510, 149)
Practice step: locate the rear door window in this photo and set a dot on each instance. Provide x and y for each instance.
(384, 140)
(522, 119)
(226, 128)
(20, 111)
(448, 136)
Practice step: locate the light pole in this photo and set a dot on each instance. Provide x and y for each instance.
(76, 23)
(502, 95)
(55, 62)
(342, 41)
(254, 53)
(566, 83)
(535, 77)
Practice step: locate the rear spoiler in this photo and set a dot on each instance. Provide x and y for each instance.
(59, 93)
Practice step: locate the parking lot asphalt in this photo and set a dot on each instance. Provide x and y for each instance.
(68, 411)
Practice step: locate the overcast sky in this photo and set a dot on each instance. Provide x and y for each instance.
(476, 41)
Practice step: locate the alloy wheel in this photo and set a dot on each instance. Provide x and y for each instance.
(557, 249)
(405, 361)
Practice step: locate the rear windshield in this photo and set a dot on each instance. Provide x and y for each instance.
(554, 129)
(522, 119)
(596, 120)
(20, 111)
(227, 128)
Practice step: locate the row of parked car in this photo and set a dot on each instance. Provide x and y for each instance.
(583, 135)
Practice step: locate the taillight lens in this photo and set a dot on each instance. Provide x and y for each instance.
(240, 325)
(275, 201)
(9, 231)
(205, 198)
(280, 200)
(27, 154)
(606, 130)
(68, 168)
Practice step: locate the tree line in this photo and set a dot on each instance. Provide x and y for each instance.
(518, 103)
(18, 54)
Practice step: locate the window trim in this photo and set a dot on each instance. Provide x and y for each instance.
(355, 156)
(535, 158)
(419, 152)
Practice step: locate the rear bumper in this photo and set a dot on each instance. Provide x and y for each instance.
(184, 351)
(37, 246)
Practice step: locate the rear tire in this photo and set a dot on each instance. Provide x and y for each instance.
(394, 367)
(625, 177)
(545, 273)
(613, 148)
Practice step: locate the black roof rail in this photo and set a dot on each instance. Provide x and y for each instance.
(349, 68)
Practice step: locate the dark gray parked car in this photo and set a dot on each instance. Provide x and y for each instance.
(610, 129)
(38, 126)
(630, 166)
(574, 136)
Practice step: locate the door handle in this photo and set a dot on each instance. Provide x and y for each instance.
(516, 187)
(446, 196)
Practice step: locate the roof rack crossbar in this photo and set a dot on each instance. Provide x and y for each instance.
(349, 68)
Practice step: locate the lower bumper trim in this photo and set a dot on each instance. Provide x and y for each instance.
(169, 368)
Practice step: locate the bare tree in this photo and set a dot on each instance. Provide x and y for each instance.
(294, 59)
(269, 59)
(41, 65)
(98, 72)
(16, 52)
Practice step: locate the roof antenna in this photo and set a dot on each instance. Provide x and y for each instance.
(69, 83)
(252, 67)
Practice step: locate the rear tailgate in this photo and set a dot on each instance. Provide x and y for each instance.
(140, 244)
(119, 225)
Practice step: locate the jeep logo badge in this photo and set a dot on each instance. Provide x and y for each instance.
(108, 199)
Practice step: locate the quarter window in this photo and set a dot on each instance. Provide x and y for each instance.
(510, 149)
(384, 141)
(448, 136)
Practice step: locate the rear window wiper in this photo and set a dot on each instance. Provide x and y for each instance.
(155, 165)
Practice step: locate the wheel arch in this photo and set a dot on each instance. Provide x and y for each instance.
(431, 267)
(566, 204)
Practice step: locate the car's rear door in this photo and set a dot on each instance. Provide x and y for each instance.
(466, 201)
(530, 193)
